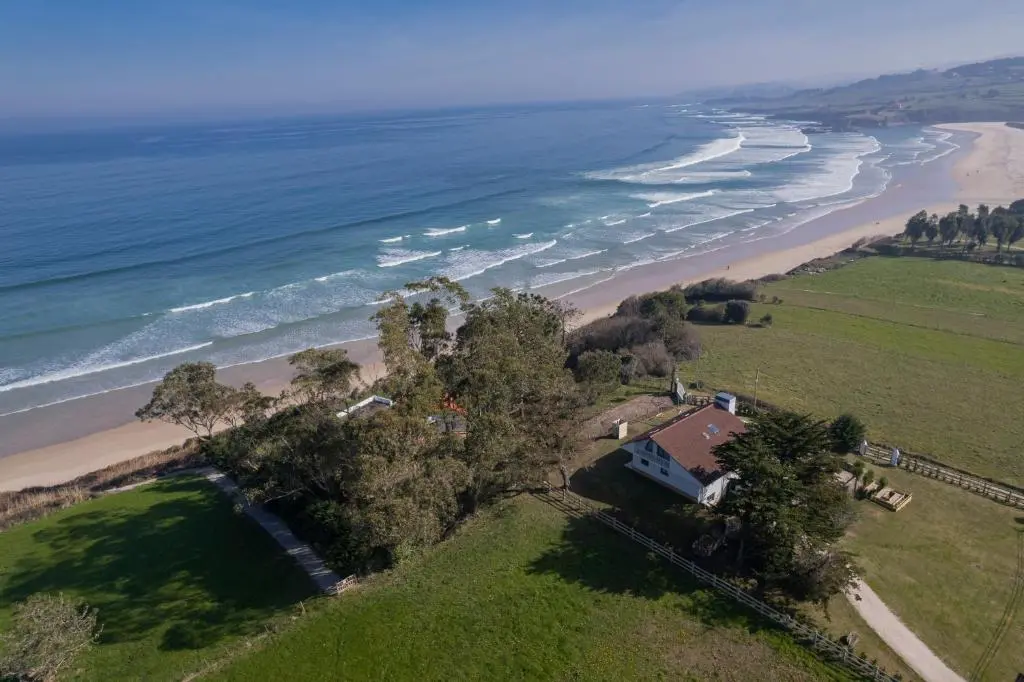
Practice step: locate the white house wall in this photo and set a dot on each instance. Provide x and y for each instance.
(678, 478)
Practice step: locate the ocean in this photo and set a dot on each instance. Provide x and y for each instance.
(126, 251)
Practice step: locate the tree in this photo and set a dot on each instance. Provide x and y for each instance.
(949, 228)
(507, 372)
(1017, 207)
(931, 228)
(847, 433)
(915, 227)
(1016, 233)
(786, 496)
(980, 232)
(867, 479)
(190, 396)
(736, 312)
(323, 375)
(766, 320)
(599, 372)
(46, 634)
(1002, 226)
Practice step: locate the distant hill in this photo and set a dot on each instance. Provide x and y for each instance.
(985, 91)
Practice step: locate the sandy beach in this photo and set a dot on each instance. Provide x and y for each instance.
(53, 444)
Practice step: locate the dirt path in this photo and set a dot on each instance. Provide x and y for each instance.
(899, 637)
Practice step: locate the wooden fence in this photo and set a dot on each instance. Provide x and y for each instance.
(1000, 492)
(819, 642)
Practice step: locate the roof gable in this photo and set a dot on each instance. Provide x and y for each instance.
(690, 438)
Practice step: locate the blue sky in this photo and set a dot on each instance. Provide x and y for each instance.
(110, 57)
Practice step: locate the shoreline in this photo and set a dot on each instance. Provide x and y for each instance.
(53, 444)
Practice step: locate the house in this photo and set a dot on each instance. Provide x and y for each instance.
(678, 454)
(367, 406)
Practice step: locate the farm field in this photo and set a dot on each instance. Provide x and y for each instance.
(524, 593)
(930, 354)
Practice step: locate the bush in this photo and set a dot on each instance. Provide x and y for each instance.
(612, 334)
(736, 312)
(681, 339)
(653, 359)
(847, 433)
(720, 290)
(766, 320)
(45, 635)
(707, 314)
(662, 305)
(598, 372)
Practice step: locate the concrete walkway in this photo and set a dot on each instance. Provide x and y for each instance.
(899, 637)
(327, 580)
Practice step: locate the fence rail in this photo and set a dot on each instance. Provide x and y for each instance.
(575, 505)
(975, 484)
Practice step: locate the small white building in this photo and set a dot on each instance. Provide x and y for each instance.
(367, 406)
(678, 454)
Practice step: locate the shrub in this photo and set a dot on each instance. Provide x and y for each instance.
(681, 339)
(611, 334)
(766, 320)
(720, 290)
(847, 433)
(46, 633)
(706, 314)
(653, 359)
(883, 481)
(599, 372)
(663, 305)
(736, 312)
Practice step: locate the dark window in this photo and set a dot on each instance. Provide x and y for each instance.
(664, 471)
(711, 497)
(645, 462)
(650, 446)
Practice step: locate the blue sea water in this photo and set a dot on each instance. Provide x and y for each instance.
(124, 252)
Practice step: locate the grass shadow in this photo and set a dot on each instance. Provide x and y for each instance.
(178, 559)
(596, 557)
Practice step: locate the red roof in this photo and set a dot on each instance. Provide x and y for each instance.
(690, 438)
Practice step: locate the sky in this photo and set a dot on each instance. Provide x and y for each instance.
(68, 58)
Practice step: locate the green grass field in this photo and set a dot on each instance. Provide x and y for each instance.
(946, 565)
(524, 593)
(176, 575)
(930, 354)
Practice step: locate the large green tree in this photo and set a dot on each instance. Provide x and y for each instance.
(789, 503)
(915, 227)
(190, 396)
(507, 372)
(323, 375)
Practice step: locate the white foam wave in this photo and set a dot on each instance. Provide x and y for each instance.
(577, 256)
(640, 237)
(458, 248)
(656, 199)
(613, 223)
(472, 263)
(391, 240)
(524, 236)
(833, 174)
(661, 172)
(709, 220)
(495, 221)
(208, 304)
(79, 370)
(336, 275)
(439, 232)
(393, 257)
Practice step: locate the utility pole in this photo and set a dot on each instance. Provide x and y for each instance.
(757, 376)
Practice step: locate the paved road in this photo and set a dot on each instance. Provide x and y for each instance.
(899, 637)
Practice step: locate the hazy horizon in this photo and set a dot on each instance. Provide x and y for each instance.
(63, 60)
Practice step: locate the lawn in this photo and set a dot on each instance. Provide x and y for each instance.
(176, 575)
(929, 353)
(522, 592)
(946, 565)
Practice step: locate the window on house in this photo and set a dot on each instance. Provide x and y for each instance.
(645, 462)
(649, 447)
(664, 471)
(711, 497)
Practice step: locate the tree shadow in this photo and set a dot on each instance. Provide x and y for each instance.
(600, 559)
(655, 510)
(177, 559)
